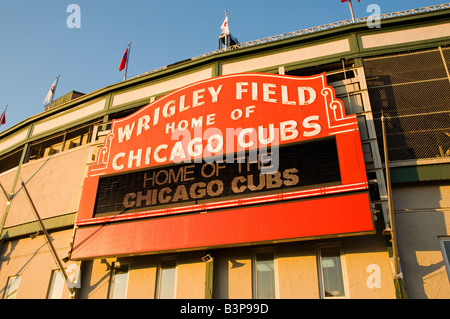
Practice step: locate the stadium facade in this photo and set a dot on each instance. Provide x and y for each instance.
(257, 171)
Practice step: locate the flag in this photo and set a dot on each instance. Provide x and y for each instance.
(347, 0)
(3, 118)
(51, 92)
(124, 60)
(224, 26)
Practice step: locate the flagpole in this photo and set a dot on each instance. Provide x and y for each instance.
(54, 90)
(126, 62)
(390, 202)
(226, 35)
(351, 10)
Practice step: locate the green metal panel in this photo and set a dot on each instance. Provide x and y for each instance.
(209, 279)
(410, 174)
(52, 223)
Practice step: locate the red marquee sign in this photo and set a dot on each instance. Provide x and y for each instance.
(259, 150)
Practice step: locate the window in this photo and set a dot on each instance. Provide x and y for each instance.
(264, 275)
(56, 286)
(10, 160)
(78, 137)
(60, 142)
(45, 147)
(11, 287)
(330, 272)
(445, 247)
(165, 288)
(119, 281)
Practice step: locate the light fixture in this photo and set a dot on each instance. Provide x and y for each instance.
(207, 258)
(33, 236)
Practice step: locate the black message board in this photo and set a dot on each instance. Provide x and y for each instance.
(298, 166)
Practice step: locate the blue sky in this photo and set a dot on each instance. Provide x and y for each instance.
(36, 44)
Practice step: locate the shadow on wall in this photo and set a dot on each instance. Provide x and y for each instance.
(419, 222)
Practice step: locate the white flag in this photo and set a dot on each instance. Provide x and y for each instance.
(224, 26)
(51, 92)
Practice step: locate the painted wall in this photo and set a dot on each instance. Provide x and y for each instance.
(142, 276)
(366, 268)
(33, 261)
(55, 187)
(422, 213)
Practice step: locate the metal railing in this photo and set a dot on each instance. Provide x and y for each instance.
(312, 30)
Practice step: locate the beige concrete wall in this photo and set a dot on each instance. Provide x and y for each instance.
(295, 266)
(33, 261)
(95, 277)
(191, 274)
(55, 188)
(366, 268)
(422, 214)
(232, 270)
(7, 181)
(142, 276)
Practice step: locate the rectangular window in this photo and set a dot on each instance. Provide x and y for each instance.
(11, 287)
(264, 275)
(10, 160)
(445, 247)
(56, 286)
(166, 279)
(330, 272)
(119, 281)
(45, 147)
(60, 142)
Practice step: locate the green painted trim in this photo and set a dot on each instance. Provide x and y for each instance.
(62, 128)
(209, 279)
(149, 83)
(216, 69)
(27, 229)
(402, 47)
(292, 44)
(422, 173)
(18, 144)
(400, 288)
(129, 105)
(108, 102)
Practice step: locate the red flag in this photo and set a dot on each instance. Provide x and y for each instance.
(347, 0)
(124, 60)
(3, 117)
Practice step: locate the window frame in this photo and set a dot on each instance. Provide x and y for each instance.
(445, 256)
(319, 248)
(60, 142)
(51, 284)
(8, 285)
(257, 251)
(160, 263)
(112, 279)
